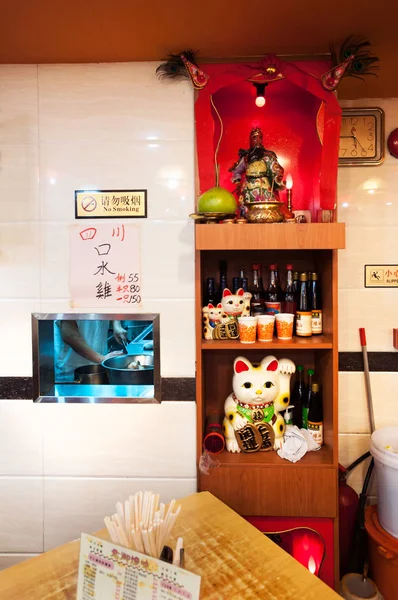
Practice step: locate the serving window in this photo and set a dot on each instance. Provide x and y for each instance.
(96, 358)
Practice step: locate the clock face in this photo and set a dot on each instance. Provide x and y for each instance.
(361, 137)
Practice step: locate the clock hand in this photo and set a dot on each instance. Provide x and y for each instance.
(357, 140)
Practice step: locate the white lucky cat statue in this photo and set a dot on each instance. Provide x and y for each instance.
(252, 412)
(235, 305)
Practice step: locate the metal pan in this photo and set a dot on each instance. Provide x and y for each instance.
(119, 373)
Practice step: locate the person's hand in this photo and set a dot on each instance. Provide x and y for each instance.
(119, 333)
(111, 354)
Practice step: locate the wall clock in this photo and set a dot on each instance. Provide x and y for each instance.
(361, 137)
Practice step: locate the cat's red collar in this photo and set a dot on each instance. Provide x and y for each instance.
(251, 406)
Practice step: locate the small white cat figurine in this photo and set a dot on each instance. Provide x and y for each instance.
(211, 317)
(252, 419)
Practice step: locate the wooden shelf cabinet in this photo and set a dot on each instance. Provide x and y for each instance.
(262, 483)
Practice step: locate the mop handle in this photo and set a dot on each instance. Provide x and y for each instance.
(362, 336)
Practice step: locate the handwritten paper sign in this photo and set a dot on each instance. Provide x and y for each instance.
(107, 204)
(108, 571)
(105, 266)
(381, 276)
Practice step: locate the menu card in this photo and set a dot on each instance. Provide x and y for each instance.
(110, 572)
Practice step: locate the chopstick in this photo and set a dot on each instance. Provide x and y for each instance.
(140, 523)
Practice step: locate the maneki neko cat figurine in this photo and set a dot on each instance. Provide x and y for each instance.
(220, 322)
(211, 318)
(252, 412)
(236, 305)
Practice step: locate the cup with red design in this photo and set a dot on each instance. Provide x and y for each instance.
(247, 329)
(265, 328)
(284, 326)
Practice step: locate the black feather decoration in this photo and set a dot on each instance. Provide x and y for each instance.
(174, 67)
(363, 63)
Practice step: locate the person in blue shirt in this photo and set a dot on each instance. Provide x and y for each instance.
(82, 342)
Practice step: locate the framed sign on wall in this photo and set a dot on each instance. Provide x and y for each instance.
(110, 204)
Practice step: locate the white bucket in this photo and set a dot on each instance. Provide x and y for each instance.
(386, 463)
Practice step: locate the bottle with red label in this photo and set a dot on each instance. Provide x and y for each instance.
(274, 293)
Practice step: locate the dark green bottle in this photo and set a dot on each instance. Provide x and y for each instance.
(307, 399)
(298, 397)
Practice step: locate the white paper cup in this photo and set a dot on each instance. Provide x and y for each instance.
(265, 328)
(247, 329)
(284, 326)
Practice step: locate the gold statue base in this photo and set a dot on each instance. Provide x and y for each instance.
(264, 212)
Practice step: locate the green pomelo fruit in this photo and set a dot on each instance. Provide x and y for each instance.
(217, 200)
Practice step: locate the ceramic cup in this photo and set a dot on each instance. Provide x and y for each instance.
(247, 329)
(284, 326)
(265, 328)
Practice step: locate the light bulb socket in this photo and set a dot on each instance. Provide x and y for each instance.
(260, 89)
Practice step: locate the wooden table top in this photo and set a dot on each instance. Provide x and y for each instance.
(234, 559)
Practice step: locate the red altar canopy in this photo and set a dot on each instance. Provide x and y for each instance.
(301, 123)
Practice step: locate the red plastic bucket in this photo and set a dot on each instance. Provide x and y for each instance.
(383, 555)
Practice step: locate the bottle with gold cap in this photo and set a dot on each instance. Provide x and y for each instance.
(315, 414)
(316, 306)
(304, 312)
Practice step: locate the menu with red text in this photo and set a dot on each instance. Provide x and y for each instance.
(110, 572)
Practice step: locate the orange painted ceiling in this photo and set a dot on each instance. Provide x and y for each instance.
(69, 31)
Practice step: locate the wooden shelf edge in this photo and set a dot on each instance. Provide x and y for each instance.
(320, 459)
(321, 342)
(270, 236)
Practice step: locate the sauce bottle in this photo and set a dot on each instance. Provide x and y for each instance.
(304, 312)
(316, 307)
(290, 304)
(223, 278)
(256, 290)
(307, 399)
(210, 292)
(315, 414)
(235, 284)
(298, 396)
(273, 297)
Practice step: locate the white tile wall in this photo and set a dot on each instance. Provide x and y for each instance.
(21, 514)
(353, 412)
(20, 260)
(112, 103)
(127, 440)
(16, 336)
(19, 182)
(21, 451)
(19, 106)
(73, 506)
(63, 128)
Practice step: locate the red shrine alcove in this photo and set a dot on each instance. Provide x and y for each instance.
(300, 123)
